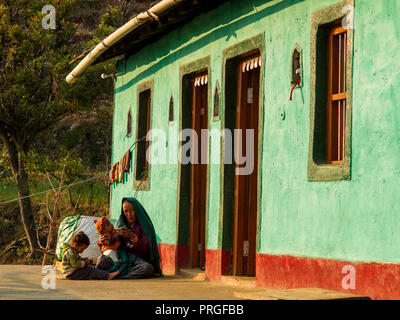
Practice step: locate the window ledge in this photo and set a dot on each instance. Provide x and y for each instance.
(319, 169)
(142, 185)
(328, 172)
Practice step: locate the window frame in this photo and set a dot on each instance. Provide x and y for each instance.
(319, 168)
(143, 184)
(335, 97)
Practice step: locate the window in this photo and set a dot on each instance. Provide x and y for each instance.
(142, 164)
(216, 102)
(296, 67)
(331, 62)
(171, 110)
(336, 106)
(129, 124)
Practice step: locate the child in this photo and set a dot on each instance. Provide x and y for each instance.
(104, 227)
(76, 268)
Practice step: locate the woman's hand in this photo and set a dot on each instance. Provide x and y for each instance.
(125, 233)
(134, 238)
(104, 239)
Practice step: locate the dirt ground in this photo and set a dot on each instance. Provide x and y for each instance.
(25, 282)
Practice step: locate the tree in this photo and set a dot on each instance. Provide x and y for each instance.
(33, 94)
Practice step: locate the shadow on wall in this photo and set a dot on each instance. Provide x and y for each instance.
(227, 30)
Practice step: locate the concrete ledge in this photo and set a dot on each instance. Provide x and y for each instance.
(298, 294)
(194, 274)
(240, 282)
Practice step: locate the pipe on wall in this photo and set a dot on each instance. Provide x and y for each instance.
(131, 25)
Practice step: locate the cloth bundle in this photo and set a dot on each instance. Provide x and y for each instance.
(119, 168)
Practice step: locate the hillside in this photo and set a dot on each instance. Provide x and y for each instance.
(81, 142)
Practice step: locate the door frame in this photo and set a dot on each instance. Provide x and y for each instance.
(240, 225)
(231, 56)
(186, 72)
(197, 229)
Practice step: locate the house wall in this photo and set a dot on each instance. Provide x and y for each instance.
(308, 230)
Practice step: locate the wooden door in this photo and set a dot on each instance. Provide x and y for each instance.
(199, 172)
(245, 196)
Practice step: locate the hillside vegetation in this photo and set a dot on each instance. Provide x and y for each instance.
(80, 142)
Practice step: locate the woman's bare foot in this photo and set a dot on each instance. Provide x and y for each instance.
(112, 275)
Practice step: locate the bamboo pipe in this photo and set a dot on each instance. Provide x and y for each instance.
(119, 34)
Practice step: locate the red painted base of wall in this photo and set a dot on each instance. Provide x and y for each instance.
(217, 263)
(375, 280)
(172, 257)
(167, 257)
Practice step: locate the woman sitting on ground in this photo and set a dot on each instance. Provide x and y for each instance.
(138, 241)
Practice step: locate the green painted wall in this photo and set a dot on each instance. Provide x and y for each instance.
(353, 220)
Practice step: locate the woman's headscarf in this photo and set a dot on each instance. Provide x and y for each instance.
(144, 220)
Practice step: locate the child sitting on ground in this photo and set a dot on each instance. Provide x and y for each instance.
(76, 268)
(109, 248)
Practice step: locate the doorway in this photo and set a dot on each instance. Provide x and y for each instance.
(199, 171)
(245, 196)
(193, 180)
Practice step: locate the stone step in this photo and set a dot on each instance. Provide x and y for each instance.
(240, 282)
(298, 294)
(194, 273)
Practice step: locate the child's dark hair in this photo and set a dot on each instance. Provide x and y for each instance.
(80, 239)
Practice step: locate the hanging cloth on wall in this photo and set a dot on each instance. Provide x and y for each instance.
(251, 64)
(201, 80)
(126, 161)
(120, 167)
(112, 174)
(115, 172)
(120, 170)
